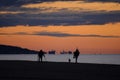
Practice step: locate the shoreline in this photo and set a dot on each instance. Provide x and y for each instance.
(100, 59)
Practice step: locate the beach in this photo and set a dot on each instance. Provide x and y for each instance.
(33, 70)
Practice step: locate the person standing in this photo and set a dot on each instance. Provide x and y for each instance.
(41, 54)
(76, 54)
(69, 60)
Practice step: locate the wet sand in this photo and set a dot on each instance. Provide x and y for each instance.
(31, 70)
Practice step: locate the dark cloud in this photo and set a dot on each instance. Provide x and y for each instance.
(17, 3)
(44, 33)
(60, 34)
(55, 34)
(58, 18)
(102, 36)
(29, 16)
(17, 33)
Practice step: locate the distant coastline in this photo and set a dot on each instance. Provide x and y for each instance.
(7, 49)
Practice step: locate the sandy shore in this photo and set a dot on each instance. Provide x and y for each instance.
(28, 70)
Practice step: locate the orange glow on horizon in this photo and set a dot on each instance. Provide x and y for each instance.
(90, 45)
(85, 44)
(55, 30)
(107, 29)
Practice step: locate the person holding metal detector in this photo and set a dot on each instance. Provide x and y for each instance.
(41, 54)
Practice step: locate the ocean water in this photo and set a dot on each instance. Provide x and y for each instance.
(101, 59)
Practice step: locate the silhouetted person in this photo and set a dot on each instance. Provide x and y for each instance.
(41, 55)
(69, 60)
(76, 54)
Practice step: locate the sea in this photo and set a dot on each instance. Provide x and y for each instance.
(83, 58)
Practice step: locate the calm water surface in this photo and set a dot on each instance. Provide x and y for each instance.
(106, 59)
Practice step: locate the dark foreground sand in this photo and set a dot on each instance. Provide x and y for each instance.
(28, 70)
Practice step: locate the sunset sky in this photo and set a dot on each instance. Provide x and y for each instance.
(92, 26)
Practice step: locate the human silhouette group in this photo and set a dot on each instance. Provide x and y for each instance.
(41, 54)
